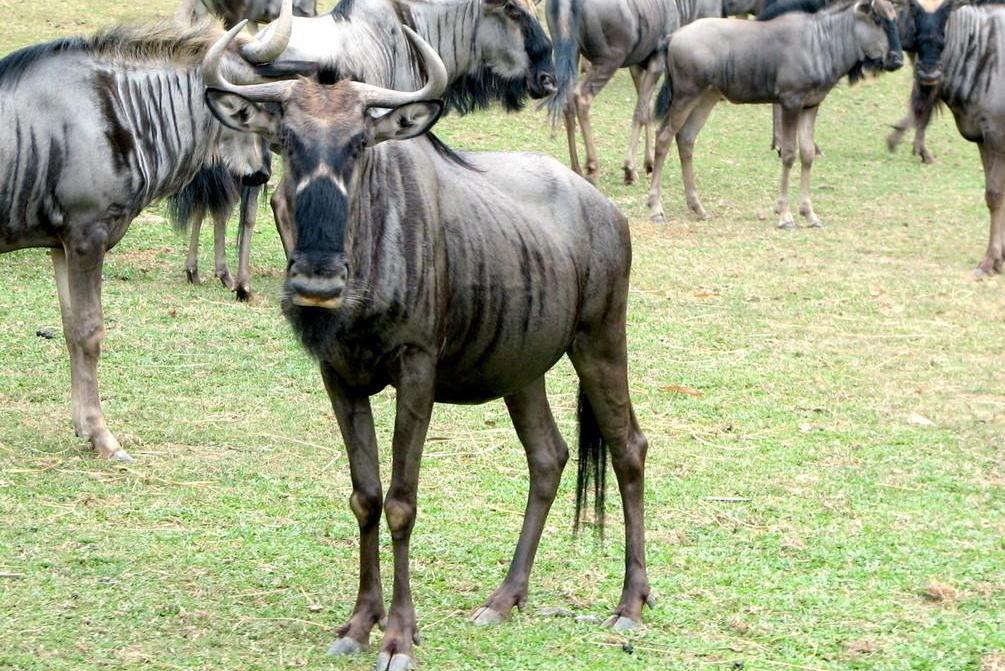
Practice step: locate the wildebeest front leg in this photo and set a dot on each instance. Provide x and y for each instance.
(284, 220)
(680, 108)
(220, 249)
(923, 116)
(599, 355)
(599, 74)
(355, 420)
(645, 81)
(570, 133)
(414, 406)
(686, 137)
(790, 122)
(77, 269)
(246, 227)
(807, 152)
(192, 262)
(546, 456)
(994, 195)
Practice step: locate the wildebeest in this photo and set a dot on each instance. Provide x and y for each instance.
(495, 51)
(214, 190)
(922, 34)
(92, 130)
(233, 11)
(453, 278)
(613, 34)
(713, 59)
(968, 78)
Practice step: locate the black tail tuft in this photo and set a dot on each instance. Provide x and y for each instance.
(592, 465)
(664, 97)
(563, 22)
(212, 191)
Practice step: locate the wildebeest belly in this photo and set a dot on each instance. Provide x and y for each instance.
(518, 268)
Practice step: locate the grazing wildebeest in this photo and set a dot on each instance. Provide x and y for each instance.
(92, 130)
(922, 34)
(453, 278)
(214, 190)
(233, 11)
(713, 59)
(495, 51)
(968, 78)
(613, 34)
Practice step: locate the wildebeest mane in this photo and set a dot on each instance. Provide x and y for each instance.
(165, 41)
(343, 10)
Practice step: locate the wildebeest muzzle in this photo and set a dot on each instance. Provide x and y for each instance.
(317, 282)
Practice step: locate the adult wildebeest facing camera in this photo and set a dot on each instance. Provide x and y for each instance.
(91, 132)
(453, 278)
(964, 71)
(495, 52)
(793, 60)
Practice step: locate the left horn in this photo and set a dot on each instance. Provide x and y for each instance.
(212, 75)
(436, 79)
(276, 41)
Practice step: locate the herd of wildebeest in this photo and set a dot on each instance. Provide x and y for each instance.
(452, 276)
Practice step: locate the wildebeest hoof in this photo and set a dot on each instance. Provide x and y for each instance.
(814, 223)
(631, 175)
(657, 218)
(243, 294)
(345, 646)
(387, 662)
(787, 224)
(486, 616)
(121, 455)
(699, 212)
(619, 623)
(226, 280)
(926, 157)
(192, 276)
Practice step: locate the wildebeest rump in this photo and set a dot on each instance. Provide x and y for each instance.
(968, 78)
(613, 34)
(713, 59)
(91, 132)
(453, 278)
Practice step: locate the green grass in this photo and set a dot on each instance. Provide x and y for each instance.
(229, 544)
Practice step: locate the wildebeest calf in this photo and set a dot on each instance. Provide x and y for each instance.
(793, 60)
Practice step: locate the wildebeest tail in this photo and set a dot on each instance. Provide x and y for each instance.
(212, 191)
(563, 23)
(664, 97)
(592, 464)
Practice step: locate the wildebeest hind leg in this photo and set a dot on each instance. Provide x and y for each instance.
(546, 456)
(599, 74)
(686, 137)
(246, 227)
(807, 152)
(284, 220)
(645, 81)
(355, 419)
(994, 194)
(600, 358)
(790, 121)
(569, 116)
(192, 262)
(78, 282)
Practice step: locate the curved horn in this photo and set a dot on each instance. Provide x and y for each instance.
(436, 79)
(213, 78)
(276, 41)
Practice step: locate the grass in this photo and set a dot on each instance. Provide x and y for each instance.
(866, 538)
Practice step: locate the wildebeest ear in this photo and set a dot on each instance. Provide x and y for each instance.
(407, 121)
(239, 113)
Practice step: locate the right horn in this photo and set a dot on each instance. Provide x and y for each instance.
(436, 79)
(213, 78)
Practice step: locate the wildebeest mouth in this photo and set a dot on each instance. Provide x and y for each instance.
(317, 302)
(894, 61)
(929, 78)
